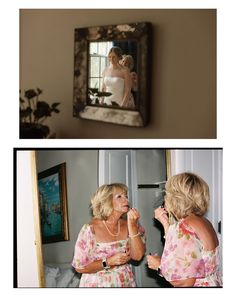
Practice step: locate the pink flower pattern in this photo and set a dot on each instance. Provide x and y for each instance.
(184, 257)
(87, 250)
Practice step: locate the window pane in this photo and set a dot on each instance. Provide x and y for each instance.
(93, 48)
(103, 64)
(94, 83)
(102, 48)
(109, 46)
(94, 66)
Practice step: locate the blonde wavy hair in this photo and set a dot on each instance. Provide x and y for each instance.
(101, 202)
(129, 61)
(186, 194)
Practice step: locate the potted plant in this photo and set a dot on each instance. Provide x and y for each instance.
(33, 113)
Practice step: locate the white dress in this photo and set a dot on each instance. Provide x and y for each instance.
(114, 85)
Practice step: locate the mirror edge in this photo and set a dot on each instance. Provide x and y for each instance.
(37, 225)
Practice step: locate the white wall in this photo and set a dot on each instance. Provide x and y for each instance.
(27, 267)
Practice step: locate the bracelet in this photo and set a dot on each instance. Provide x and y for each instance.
(133, 236)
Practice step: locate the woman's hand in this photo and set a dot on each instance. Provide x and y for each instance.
(153, 261)
(118, 259)
(137, 245)
(132, 218)
(161, 215)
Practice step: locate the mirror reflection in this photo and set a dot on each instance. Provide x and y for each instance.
(112, 77)
(85, 171)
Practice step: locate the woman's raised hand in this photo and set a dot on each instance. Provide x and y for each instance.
(161, 214)
(133, 216)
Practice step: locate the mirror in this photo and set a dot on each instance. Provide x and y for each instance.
(143, 170)
(111, 77)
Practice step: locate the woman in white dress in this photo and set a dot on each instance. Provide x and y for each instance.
(117, 81)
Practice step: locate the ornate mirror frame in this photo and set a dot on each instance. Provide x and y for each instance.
(139, 32)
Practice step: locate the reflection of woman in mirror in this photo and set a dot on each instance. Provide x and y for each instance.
(105, 245)
(117, 80)
(128, 61)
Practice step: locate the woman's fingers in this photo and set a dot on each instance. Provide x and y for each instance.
(123, 258)
(153, 261)
(160, 212)
(133, 213)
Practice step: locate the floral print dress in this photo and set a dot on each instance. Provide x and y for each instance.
(87, 250)
(184, 257)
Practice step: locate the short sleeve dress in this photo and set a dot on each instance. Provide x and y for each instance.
(87, 250)
(184, 257)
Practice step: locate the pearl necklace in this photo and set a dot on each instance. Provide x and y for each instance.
(114, 235)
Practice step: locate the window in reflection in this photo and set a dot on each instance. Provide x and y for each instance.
(98, 52)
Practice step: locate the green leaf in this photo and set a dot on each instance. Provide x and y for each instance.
(25, 113)
(56, 111)
(103, 93)
(40, 91)
(35, 111)
(93, 90)
(55, 104)
(30, 93)
(43, 110)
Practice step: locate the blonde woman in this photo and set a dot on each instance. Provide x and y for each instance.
(128, 61)
(191, 253)
(106, 245)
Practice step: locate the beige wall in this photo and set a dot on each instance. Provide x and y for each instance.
(183, 74)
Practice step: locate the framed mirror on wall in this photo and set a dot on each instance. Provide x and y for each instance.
(112, 73)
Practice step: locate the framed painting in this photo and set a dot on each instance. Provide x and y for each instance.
(53, 204)
(112, 73)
